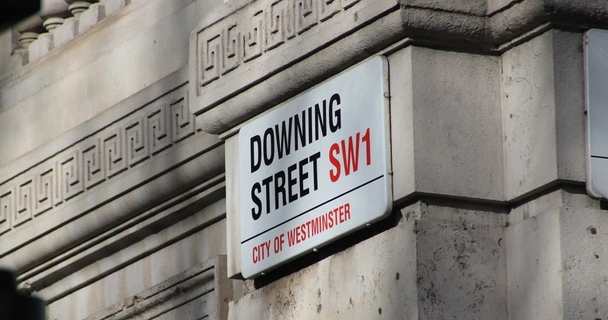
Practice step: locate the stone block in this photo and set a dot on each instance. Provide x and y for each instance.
(528, 103)
(91, 17)
(233, 207)
(555, 265)
(543, 113)
(372, 280)
(534, 268)
(584, 248)
(439, 262)
(570, 105)
(402, 123)
(457, 124)
(65, 32)
(40, 46)
(113, 6)
(567, 196)
(460, 262)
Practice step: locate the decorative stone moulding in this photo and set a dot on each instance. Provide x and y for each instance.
(250, 56)
(201, 292)
(95, 160)
(53, 12)
(61, 202)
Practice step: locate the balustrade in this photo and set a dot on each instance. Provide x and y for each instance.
(58, 22)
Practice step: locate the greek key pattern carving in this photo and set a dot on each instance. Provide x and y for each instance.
(87, 164)
(241, 38)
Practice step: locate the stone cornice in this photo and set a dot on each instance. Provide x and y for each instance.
(205, 284)
(264, 53)
(89, 261)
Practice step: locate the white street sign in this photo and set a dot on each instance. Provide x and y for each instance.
(596, 85)
(315, 168)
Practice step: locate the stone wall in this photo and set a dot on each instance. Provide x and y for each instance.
(119, 172)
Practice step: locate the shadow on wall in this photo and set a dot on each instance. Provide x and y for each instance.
(18, 305)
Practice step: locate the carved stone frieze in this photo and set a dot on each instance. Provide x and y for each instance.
(233, 47)
(87, 164)
(284, 47)
(229, 44)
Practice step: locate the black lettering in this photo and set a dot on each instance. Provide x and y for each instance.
(255, 214)
(309, 124)
(279, 188)
(300, 130)
(255, 164)
(337, 114)
(283, 138)
(268, 139)
(303, 176)
(291, 182)
(320, 120)
(314, 159)
(266, 182)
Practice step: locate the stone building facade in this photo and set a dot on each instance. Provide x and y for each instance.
(119, 175)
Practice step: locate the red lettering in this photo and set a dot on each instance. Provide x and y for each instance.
(334, 149)
(350, 158)
(368, 152)
(291, 237)
(303, 234)
(349, 148)
(255, 255)
(347, 210)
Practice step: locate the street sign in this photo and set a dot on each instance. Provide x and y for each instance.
(596, 98)
(315, 168)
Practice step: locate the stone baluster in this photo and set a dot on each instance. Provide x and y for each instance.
(53, 12)
(76, 7)
(29, 30)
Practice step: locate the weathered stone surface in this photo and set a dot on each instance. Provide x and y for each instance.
(41, 46)
(553, 265)
(437, 138)
(65, 32)
(91, 17)
(543, 113)
(460, 262)
(233, 207)
(430, 22)
(117, 172)
(73, 82)
(584, 248)
(374, 279)
(534, 268)
(402, 123)
(201, 290)
(457, 124)
(438, 263)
